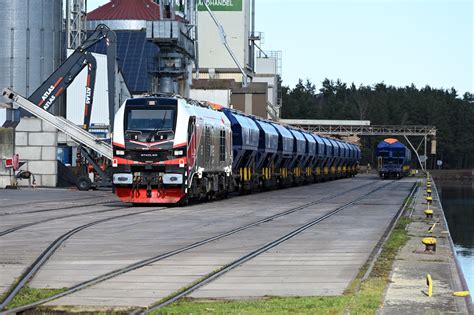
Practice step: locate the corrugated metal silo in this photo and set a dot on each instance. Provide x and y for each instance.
(30, 41)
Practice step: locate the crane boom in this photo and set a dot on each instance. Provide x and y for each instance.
(50, 90)
(69, 128)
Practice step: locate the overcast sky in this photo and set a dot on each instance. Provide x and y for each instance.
(370, 41)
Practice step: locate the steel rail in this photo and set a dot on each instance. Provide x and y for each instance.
(52, 209)
(51, 249)
(25, 225)
(239, 261)
(159, 257)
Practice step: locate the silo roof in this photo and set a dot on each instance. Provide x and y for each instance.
(126, 10)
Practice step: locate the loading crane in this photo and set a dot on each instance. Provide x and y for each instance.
(59, 80)
(42, 99)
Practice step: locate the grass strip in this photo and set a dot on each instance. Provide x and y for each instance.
(29, 295)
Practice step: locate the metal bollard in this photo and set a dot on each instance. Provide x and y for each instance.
(430, 244)
(429, 213)
(429, 199)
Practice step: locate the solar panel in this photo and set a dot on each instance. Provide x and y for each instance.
(133, 53)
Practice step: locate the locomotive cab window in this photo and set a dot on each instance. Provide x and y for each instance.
(150, 119)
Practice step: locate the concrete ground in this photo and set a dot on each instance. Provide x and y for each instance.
(320, 261)
(14, 201)
(407, 291)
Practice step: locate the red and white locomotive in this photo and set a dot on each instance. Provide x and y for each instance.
(167, 149)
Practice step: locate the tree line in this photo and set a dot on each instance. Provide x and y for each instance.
(450, 113)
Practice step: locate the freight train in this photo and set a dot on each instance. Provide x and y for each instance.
(170, 150)
(393, 159)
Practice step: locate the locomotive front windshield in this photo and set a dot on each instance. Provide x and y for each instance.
(146, 119)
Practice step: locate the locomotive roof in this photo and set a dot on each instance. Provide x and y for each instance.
(390, 143)
(168, 98)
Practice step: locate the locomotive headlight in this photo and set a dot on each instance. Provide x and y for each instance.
(178, 152)
(120, 152)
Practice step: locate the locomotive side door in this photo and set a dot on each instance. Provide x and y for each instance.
(192, 143)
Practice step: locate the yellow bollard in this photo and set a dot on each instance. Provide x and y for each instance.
(430, 244)
(429, 283)
(429, 199)
(428, 213)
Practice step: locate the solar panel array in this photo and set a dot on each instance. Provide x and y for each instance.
(135, 55)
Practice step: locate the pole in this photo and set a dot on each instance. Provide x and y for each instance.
(68, 23)
(426, 156)
(252, 46)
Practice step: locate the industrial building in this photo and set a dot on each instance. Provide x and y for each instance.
(218, 75)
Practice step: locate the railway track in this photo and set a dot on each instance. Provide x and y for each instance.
(51, 249)
(25, 225)
(52, 209)
(169, 254)
(243, 259)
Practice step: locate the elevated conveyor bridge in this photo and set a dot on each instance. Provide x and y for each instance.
(359, 128)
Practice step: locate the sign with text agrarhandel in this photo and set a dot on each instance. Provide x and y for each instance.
(221, 5)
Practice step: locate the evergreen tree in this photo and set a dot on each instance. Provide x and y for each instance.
(452, 115)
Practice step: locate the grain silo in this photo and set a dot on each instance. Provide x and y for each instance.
(30, 41)
(30, 38)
